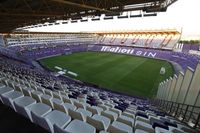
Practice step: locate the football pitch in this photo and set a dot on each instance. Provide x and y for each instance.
(126, 74)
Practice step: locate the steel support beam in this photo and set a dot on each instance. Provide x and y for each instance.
(82, 5)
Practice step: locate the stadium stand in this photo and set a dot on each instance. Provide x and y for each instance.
(68, 43)
(161, 39)
(35, 97)
(58, 104)
(125, 114)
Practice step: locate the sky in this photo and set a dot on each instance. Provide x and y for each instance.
(183, 14)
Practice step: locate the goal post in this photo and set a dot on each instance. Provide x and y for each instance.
(162, 70)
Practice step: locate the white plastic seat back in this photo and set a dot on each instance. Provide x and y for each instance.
(58, 129)
(111, 115)
(126, 120)
(119, 112)
(27, 91)
(54, 117)
(48, 92)
(8, 98)
(4, 90)
(56, 101)
(46, 99)
(77, 126)
(64, 107)
(79, 105)
(76, 115)
(118, 127)
(66, 100)
(144, 126)
(94, 110)
(84, 113)
(22, 104)
(140, 131)
(37, 95)
(57, 95)
(99, 122)
(39, 110)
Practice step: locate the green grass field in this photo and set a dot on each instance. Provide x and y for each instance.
(122, 73)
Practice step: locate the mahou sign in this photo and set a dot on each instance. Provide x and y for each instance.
(131, 51)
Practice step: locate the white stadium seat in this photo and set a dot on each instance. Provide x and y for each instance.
(22, 105)
(8, 98)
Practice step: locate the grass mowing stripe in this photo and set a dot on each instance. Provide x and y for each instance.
(127, 74)
(92, 62)
(119, 67)
(99, 65)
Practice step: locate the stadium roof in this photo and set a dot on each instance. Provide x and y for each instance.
(163, 31)
(20, 13)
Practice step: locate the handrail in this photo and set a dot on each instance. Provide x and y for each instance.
(187, 114)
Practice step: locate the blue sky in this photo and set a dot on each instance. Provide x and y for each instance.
(182, 14)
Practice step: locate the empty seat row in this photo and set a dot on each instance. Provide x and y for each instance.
(102, 118)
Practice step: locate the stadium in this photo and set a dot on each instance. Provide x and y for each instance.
(66, 68)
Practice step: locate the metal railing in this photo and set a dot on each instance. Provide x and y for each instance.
(187, 114)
